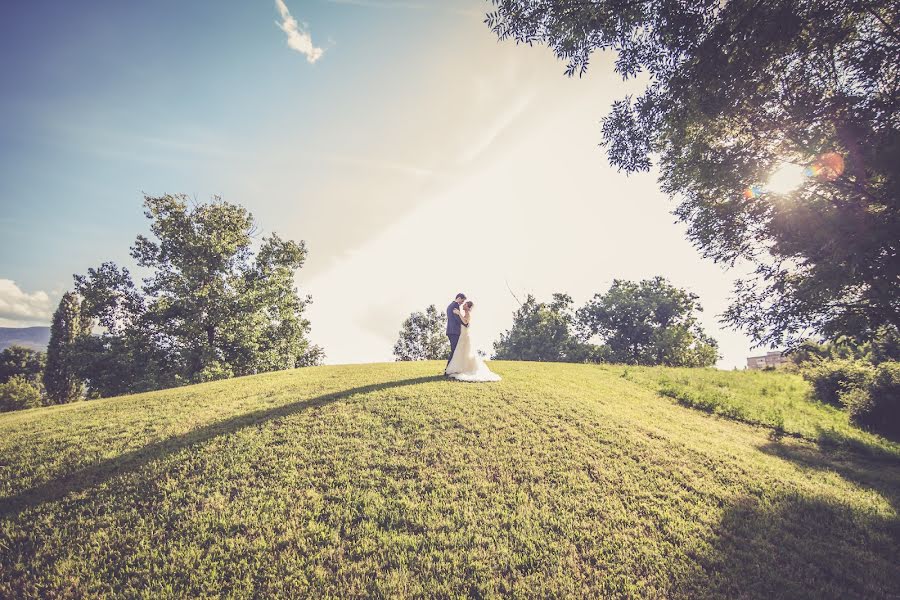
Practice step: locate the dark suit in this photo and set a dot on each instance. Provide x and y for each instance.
(454, 328)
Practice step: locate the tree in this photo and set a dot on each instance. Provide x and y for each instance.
(542, 332)
(210, 308)
(423, 337)
(736, 90)
(69, 325)
(18, 360)
(18, 393)
(647, 323)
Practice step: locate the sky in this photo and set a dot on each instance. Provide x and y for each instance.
(415, 154)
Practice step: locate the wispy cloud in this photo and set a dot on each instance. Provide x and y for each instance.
(298, 37)
(371, 163)
(18, 308)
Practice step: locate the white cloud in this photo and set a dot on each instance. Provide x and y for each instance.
(297, 37)
(19, 309)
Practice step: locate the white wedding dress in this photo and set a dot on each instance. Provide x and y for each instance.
(466, 365)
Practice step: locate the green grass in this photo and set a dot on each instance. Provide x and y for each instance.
(387, 481)
(777, 400)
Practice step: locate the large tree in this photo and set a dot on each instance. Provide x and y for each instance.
(647, 323)
(61, 381)
(735, 90)
(423, 337)
(209, 308)
(542, 332)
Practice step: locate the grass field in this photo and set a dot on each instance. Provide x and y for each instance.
(388, 481)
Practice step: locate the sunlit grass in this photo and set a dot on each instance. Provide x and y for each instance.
(388, 481)
(779, 400)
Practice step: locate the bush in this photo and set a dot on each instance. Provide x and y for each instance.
(877, 405)
(831, 378)
(19, 393)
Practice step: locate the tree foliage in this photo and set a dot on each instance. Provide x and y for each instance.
(70, 324)
(648, 323)
(734, 90)
(423, 337)
(18, 360)
(18, 392)
(210, 308)
(542, 332)
(645, 323)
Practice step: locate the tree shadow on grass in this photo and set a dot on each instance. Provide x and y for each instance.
(93, 475)
(797, 547)
(879, 472)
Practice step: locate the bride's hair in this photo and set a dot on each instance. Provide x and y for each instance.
(469, 304)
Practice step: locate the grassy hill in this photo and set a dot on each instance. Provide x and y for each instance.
(386, 480)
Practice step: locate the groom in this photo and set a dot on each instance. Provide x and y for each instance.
(454, 323)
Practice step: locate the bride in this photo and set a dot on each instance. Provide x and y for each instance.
(465, 364)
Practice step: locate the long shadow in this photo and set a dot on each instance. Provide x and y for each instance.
(797, 548)
(93, 475)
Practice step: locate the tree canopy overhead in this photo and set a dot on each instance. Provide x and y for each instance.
(736, 90)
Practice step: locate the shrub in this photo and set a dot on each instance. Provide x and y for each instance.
(19, 393)
(877, 405)
(831, 378)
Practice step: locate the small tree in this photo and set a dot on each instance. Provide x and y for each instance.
(60, 380)
(18, 360)
(19, 393)
(648, 323)
(423, 337)
(542, 332)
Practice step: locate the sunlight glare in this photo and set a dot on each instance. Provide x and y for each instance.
(786, 178)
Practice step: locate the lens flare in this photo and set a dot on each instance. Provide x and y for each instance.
(786, 178)
(752, 192)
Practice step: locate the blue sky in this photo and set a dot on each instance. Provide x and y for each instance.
(416, 155)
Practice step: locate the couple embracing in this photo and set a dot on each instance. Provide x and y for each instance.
(464, 363)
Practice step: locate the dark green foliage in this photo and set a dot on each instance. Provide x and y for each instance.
(886, 345)
(18, 360)
(209, 309)
(648, 323)
(542, 332)
(18, 392)
(876, 406)
(423, 337)
(70, 324)
(734, 89)
(831, 378)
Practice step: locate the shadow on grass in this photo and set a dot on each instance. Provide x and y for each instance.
(877, 471)
(798, 548)
(90, 476)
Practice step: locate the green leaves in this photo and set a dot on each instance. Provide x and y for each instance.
(209, 308)
(645, 323)
(423, 337)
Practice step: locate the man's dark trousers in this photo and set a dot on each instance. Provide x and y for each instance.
(454, 328)
(454, 340)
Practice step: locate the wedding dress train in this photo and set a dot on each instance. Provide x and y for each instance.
(466, 365)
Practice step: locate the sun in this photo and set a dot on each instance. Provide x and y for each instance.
(786, 178)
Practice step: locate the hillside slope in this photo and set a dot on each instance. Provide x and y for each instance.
(388, 481)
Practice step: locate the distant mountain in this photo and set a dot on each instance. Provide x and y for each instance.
(36, 338)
